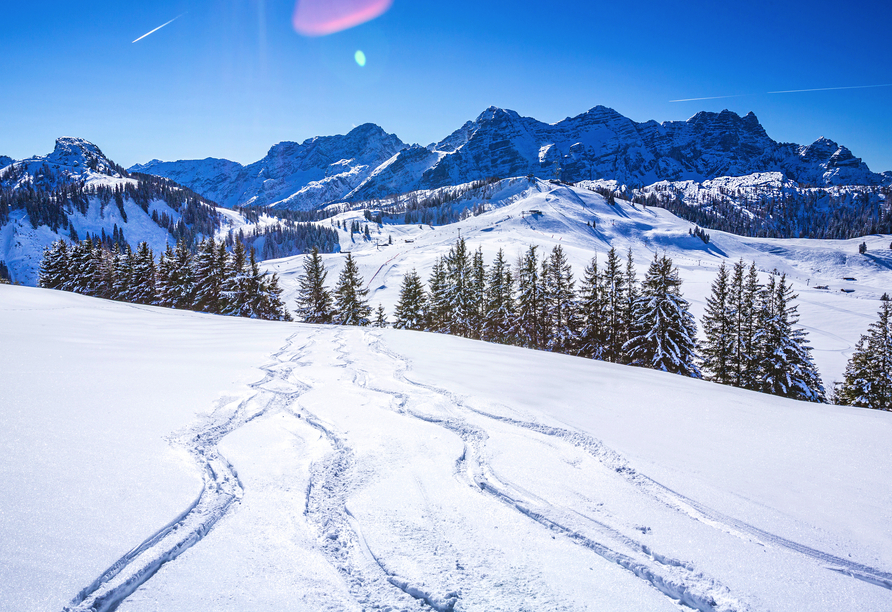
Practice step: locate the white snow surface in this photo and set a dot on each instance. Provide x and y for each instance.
(834, 319)
(270, 466)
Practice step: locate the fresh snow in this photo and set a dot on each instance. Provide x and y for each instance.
(270, 466)
(833, 319)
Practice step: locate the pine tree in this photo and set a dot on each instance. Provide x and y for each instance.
(411, 309)
(560, 303)
(499, 307)
(208, 273)
(868, 376)
(314, 303)
(477, 295)
(351, 307)
(438, 310)
(592, 341)
(54, 268)
(123, 265)
(787, 368)
(166, 277)
(529, 326)
(664, 331)
(142, 284)
(744, 359)
(617, 326)
(181, 286)
(718, 328)
(380, 316)
(83, 268)
(459, 291)
(237, 288)
(630, 282)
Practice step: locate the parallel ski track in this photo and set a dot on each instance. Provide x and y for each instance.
(676, 579)
(220, 490)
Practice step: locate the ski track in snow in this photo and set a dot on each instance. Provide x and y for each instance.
(335, 478)
(693, 590)
(221, 486)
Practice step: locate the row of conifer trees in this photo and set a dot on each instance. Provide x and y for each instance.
(750, 336)
(212, 280)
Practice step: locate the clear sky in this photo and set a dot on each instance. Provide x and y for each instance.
(230, 78)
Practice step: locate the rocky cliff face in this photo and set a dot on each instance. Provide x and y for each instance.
(599, 144)
(299, 175)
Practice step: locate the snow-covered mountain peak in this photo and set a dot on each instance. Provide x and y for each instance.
(78, 153)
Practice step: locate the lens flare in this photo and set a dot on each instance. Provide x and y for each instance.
(359, 56)
(321, 17)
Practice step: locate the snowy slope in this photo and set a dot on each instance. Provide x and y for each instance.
(355, 469)
(835, 320)
(77, 163)
(598, 144)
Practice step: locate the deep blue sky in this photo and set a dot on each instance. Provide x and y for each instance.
(230, 78)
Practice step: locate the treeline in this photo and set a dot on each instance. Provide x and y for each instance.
(286, 238)
(807, 213)
(46, 204)
(751, 338)
(212, 280)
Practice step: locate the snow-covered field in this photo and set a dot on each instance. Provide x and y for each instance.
(274, 466)
(834, 319)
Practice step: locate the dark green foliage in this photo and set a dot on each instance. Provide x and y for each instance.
(560, 317)
(592, 342)
(663, 331)
(411, 309)
(719, 327)
(785, 362)
(351, 305)
(868, 376)
(314, 304)
(499, 306)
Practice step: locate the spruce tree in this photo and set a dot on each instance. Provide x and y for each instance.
(237, 287)
(351, 307)
(719, 329)
(54, 267)
(438, 310)
(560, 303)
(459, 291)
(868, 376)
(123, 265)
(411, 309)
(142, 284)
(592, 341)
(787, 368)
(529, 326)
(380, 316)
(664, 332)
(182, 281)
(208, 274)
(314, 303)
(477, 295)
(616, 323)
(166, 277)
(499, 307)
(630, 281)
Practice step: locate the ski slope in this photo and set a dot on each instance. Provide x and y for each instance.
(164, 460)
(834, 319)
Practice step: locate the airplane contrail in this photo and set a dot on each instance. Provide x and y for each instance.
(158, 28)
(709, 98)
(831, 88)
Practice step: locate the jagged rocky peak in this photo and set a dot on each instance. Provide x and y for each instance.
(80, 154)
(5, 161)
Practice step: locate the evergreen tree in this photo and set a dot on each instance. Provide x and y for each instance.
(351, 307)
(181, 286)
(744, 359)
(237, 288)
(561, 327)
(719, 330)
(592, 341)
(123, 266)
(868, 376)
(314, 303)
(499, 308)
(83, 268)
(664, 331)
(459, 291)
(380, 316)
(630, 282)
(529, 326)
(166, 277)
(208, 271)
(411, 309)
(787, 368)
(616, 324)
(142, 284)
(54, 267)
(438, 311)
(477, 295)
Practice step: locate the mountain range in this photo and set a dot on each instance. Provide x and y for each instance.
(369, 163)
